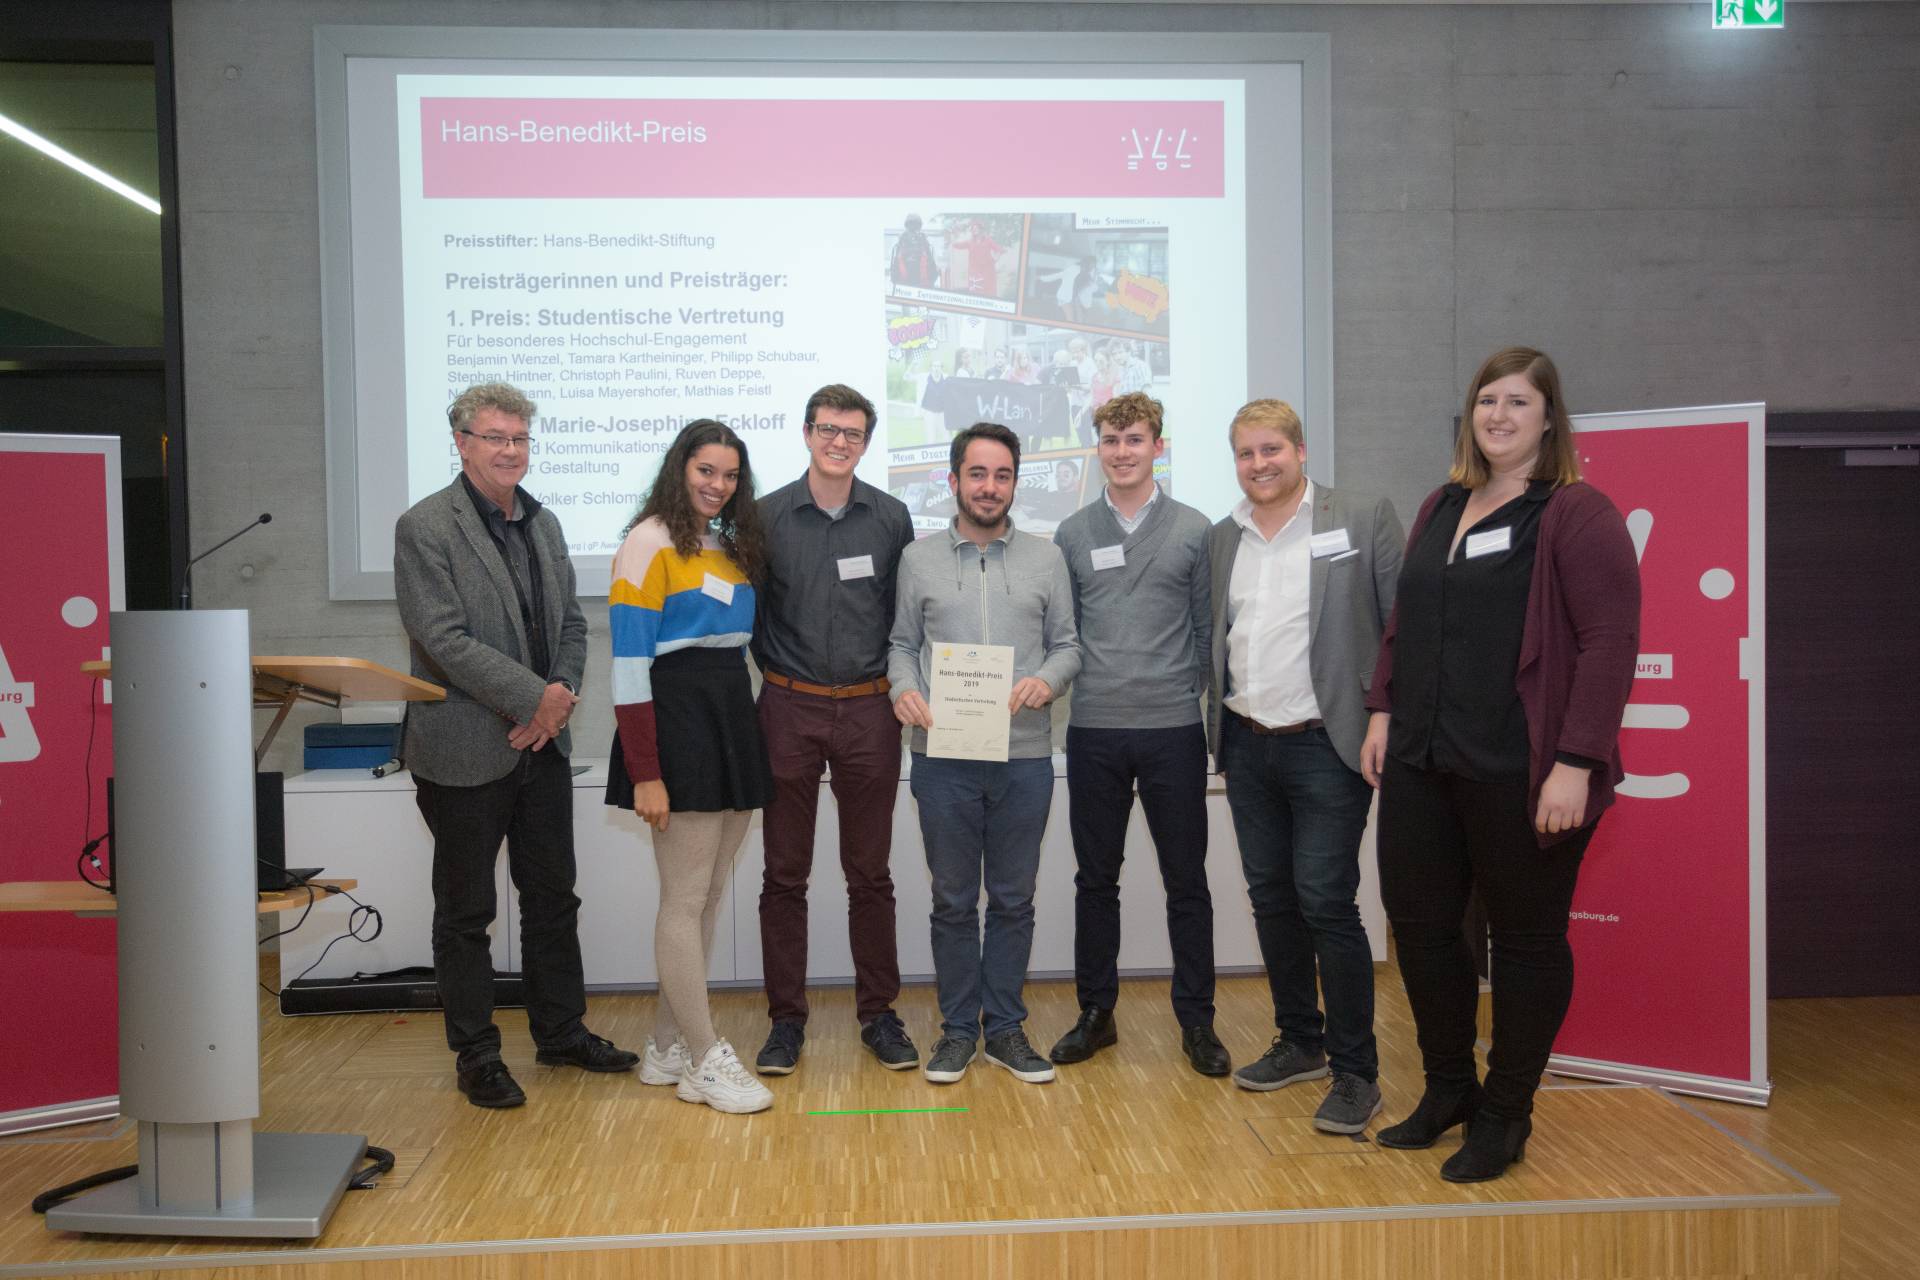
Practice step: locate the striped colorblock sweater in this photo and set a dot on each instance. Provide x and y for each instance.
(661, 602)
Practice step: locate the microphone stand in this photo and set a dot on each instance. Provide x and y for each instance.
(186, 579)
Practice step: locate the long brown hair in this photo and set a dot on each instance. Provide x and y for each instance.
(738, 524)
(1558, 460)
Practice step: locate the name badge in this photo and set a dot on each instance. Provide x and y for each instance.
(852, 567)
(1485, 544)
(1330, 543)
(1113, 557)
(719, 588)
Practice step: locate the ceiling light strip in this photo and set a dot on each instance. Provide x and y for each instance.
(75, 163)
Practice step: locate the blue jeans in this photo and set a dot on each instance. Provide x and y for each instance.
(982, 820)
(1299, 813)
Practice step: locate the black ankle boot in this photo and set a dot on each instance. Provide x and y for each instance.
(1437, 1113)
(1493, 1143)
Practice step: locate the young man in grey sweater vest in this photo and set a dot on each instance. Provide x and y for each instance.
(1143, 605)
(983, 582)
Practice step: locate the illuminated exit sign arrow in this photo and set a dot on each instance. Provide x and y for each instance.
(1731, 14)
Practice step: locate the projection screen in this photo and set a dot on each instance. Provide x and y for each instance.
(640, 228)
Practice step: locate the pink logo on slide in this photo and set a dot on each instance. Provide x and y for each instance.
(601, 148)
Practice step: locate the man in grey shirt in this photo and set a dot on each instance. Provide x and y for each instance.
(984, 583)
(1142, 604)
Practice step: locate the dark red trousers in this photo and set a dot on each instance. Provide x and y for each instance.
(860, 740)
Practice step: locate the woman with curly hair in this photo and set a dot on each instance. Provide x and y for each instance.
(687, 754)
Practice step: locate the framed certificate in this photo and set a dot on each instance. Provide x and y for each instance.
(968, 698)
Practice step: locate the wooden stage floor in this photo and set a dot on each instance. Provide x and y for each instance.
(1127, 1165)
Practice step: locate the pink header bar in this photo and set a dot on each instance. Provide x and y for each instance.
(689, 148)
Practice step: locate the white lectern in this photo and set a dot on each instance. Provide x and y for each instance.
(189, 1022)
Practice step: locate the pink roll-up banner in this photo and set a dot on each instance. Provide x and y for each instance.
(1669, 923)
(61, 574)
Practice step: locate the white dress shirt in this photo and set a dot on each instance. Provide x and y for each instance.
(1269, 675)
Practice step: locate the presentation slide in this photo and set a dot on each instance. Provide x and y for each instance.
(633, 261)
(635, 250)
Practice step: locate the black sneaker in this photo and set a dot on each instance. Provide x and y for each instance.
(781, 1053)
(590, 1053)
(1092, 1033)
(886, 1038)
(1014, 1053)
(952, 1055)
(490, 1085)
(1283, 1063)
(1349, 1105)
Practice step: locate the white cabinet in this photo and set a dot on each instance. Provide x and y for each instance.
(369, 828)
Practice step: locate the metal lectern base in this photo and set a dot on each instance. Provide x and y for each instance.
(298, 1179)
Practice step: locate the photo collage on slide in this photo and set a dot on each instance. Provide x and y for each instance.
(1033, 320)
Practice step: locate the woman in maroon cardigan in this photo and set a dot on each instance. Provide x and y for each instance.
(1496, 701)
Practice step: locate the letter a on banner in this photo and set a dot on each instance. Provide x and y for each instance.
(18, 742)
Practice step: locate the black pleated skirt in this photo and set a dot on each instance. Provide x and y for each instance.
(711, 755)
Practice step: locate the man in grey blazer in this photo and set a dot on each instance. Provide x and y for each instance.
(486, 593)
(1303, 581)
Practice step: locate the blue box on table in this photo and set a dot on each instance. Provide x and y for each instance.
(350, 746)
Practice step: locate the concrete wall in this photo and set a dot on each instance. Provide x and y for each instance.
(1679, 216)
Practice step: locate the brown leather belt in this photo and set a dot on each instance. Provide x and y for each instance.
(1278, 730)
(827, 690)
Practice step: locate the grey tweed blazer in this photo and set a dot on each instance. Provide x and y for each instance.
(1349, 597)
(462, 616)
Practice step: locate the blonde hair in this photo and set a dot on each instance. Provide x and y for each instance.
(1277, 414)
(1558, 461)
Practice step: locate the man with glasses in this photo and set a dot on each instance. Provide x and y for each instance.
(834, 542)
(486, 593)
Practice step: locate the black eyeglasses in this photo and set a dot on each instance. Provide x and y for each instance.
(827, 431)
(499, 442)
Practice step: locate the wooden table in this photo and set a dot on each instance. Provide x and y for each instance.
(357, 678)
(280, 682)
(71, 895)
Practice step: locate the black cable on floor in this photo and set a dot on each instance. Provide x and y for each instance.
(60, 1195)
(365, 1179)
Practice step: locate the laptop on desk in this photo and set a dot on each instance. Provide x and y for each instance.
(270, 837)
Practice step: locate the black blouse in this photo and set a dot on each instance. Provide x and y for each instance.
(1456, 652)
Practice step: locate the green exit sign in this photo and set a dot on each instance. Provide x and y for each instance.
(1729, 14)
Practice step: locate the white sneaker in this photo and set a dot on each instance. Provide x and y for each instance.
(723, 1084)
(664, 1068)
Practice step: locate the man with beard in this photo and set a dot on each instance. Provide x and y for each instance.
(984, 583)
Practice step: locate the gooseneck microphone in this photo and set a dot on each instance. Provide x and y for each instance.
(186, 579)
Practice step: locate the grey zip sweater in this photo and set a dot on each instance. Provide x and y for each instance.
(1014, 591)
(1146, 626)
